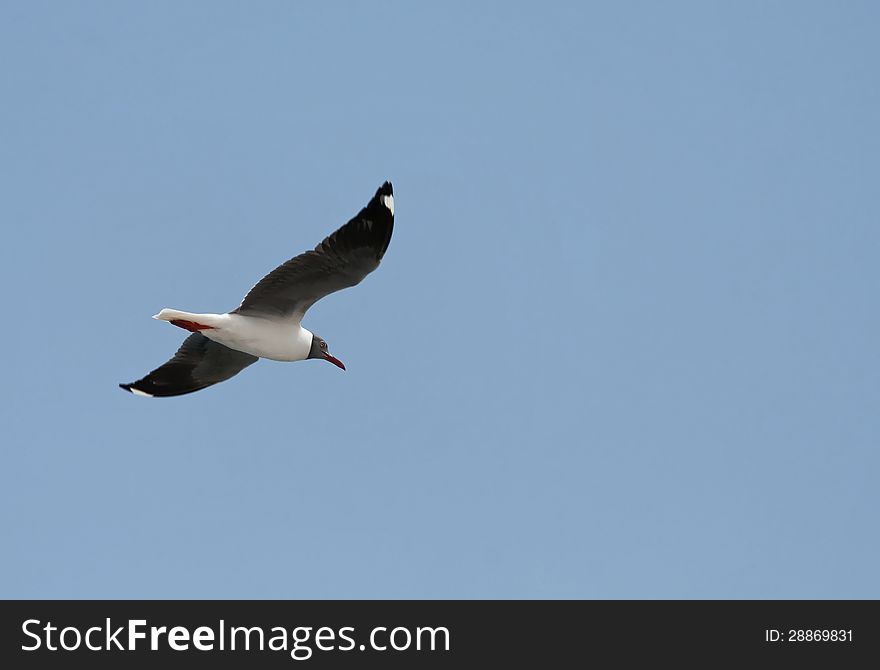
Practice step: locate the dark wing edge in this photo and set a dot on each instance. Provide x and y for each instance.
(341, 260)
(197, 364)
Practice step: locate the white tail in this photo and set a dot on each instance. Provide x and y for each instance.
(171, 314)
(210, 320)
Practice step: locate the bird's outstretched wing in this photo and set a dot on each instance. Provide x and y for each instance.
(198, 363)
(343, 259)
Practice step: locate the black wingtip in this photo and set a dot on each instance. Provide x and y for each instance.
(385, 189)
(125, 387)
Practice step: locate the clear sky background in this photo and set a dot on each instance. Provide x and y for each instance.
(624, 342)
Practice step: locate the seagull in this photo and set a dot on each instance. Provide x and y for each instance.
(267, 323)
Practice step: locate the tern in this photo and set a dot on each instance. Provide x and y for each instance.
(267, 323)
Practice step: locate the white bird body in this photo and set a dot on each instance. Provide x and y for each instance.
(275, 339)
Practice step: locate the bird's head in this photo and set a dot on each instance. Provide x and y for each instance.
(319, 350)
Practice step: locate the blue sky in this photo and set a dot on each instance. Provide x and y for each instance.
(623, 343)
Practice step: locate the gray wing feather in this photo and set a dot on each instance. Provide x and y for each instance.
(197, 364)
(341, 260)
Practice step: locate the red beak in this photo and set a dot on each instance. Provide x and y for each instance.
(334, 360)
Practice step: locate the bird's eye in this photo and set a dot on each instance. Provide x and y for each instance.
(323, 345)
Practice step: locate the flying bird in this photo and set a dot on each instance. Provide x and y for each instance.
(267, 323)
